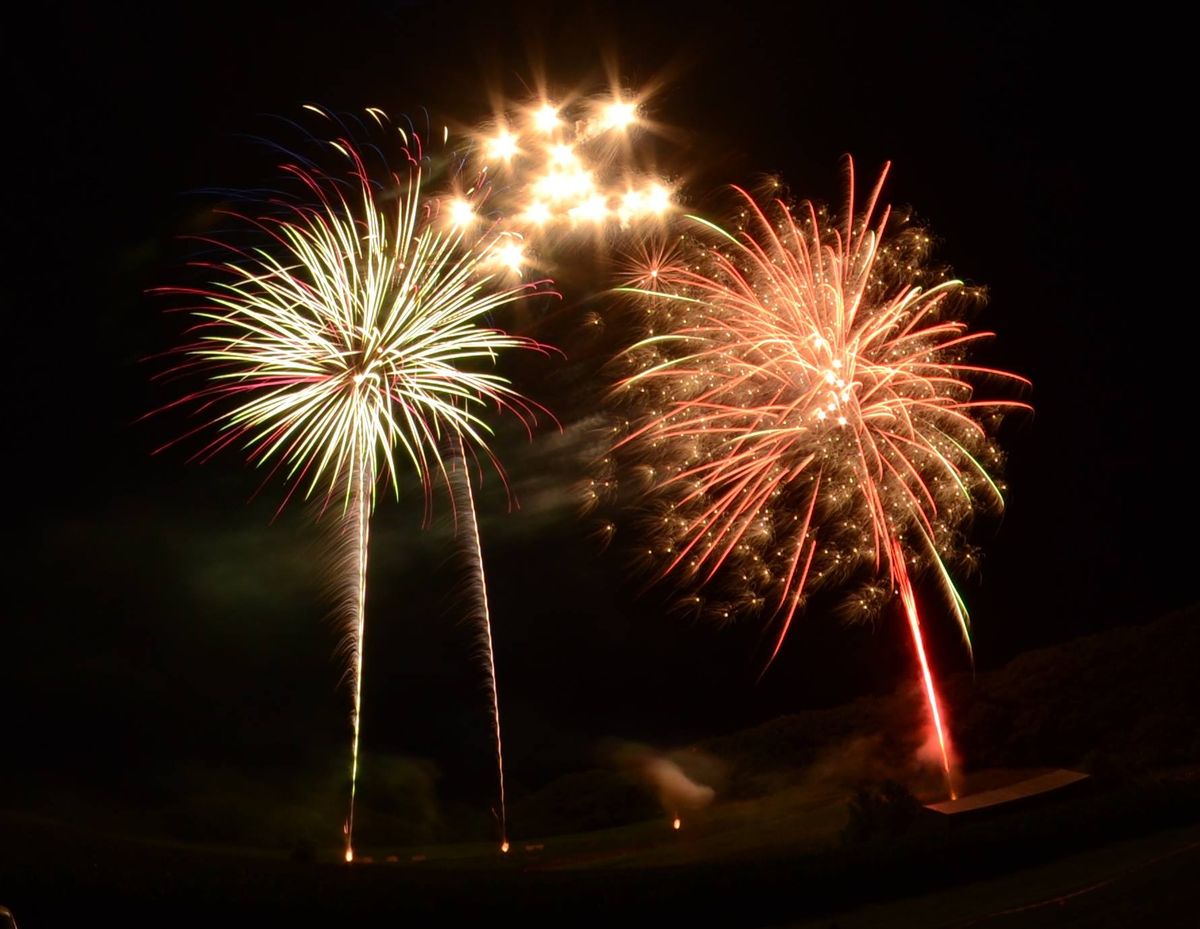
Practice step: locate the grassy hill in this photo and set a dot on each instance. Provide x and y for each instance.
(1116, 704)
(815, 814)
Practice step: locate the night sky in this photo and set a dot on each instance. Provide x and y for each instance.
(164, 638)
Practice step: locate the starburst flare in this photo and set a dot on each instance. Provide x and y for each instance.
(568, 169)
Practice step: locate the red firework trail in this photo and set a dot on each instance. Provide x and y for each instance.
(914, 624)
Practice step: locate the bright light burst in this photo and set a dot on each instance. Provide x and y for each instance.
(803, 416)
(569, 168)
(350, 343)
(620, 114)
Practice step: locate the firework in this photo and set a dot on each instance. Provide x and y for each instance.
(803, 416)
(568, 169)
(343, 346)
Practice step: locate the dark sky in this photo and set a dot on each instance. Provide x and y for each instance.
(156, 622)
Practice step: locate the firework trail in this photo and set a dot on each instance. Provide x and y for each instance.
(351, 328)
(354, 533)
(802, 417)
(467, 529)
(558, 173)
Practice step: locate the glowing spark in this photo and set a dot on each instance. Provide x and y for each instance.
(804, 398)
(461, 212)
(592, 210)
(510, 254)
(537, 213)
(657, 199)
(545, 118)
(564, 185)
(563, 156)
(676, 824)
(502, 146)
(620, 115)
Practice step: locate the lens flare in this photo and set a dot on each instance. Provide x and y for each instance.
(801, 416)
(510, 255)
(545, 118)
(619, 115)
(502, 146)
(592, 210)
(567, 169)
(461, 212)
